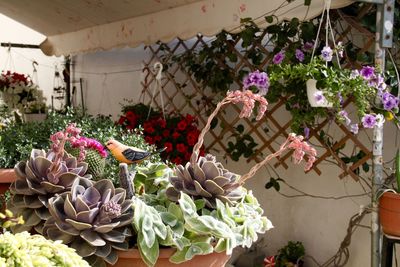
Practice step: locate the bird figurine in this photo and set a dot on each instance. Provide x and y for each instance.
(128, 154)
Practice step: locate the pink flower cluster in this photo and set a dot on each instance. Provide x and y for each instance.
(84, 143)
(248, 98)
(301, 148)
(59, 139)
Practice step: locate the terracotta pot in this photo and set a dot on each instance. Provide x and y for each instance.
(389, 213)
(311, 90)
(132, 258)
(7, 176)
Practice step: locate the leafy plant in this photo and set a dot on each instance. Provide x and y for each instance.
(290, 255)
(18, 139)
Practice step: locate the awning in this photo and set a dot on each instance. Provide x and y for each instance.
(76, 26)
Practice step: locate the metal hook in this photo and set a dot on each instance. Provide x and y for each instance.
(33, 65)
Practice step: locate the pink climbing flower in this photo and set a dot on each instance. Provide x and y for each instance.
(301, 148)
(248, 98)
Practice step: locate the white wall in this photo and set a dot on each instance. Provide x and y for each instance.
(320, 224)
(14, 32)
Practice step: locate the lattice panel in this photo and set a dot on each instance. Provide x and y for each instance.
(185, 95)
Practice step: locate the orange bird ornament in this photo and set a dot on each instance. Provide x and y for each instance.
(128, 154)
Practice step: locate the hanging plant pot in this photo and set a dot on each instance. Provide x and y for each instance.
(7, 176)
(132, 258)
(389, 213)
(312, 92)
(34, 117)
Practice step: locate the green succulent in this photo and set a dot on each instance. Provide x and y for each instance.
(94, 218)
(39, 179)
(206, 179)
(96, 163)
(27, 250)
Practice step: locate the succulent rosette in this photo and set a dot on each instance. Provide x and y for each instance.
(40, 178)
(205, 179)
(94, 218)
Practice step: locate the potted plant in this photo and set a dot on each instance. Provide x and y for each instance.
(203, 208)
(291, 255)
(327, 85)
(199, 211)
(389, 204)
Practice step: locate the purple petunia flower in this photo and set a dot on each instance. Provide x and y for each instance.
(299, 55)
(389, 101)
(340, 98)
(368, 121)
(367, 72)
(327, 53)
(258, 79)
(279, 57)
(306, 132)
(319, 97)
(308, 46)
(354, 128)
(345, 116)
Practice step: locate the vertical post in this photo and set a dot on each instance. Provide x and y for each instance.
(377, 151)
(67, 80)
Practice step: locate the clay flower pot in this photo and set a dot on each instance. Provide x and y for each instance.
(389, 213)
(132, 258)
(311, 91)
(7, 176)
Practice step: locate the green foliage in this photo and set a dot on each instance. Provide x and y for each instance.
(290, 254)
(18, 139)
(27, 250)
(189, 226)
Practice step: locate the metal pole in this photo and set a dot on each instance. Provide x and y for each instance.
(377, 152)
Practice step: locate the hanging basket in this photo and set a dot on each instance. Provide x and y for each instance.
(132, 258)
(389, 213)
(311, 91)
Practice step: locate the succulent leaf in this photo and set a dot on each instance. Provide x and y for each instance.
(205, 179)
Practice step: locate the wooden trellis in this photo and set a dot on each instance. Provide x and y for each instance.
(184, 95)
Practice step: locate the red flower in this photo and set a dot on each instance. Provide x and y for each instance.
(175, 135)
(121, 120)
(181, 148)
(166, 133)
(168, 147)
(157, 138)
(187, 156)
(162, 123)
(132, 117)
(149, 140)
(148, 127)
(192, 138)
(189, 118)
(177, 160)
(269, 261)
(182, 125)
